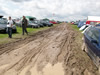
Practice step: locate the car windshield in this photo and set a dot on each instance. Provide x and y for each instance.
(47, 21)
(35, 21)
(31, 19)
(3, 22)
(93, 33)
(41, 21)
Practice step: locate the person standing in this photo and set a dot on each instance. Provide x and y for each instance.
(24, 25)
(9, 27)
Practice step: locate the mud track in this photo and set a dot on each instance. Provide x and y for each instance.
(55, 51)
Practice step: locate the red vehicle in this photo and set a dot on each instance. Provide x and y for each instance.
(72, 22)
(53, 22)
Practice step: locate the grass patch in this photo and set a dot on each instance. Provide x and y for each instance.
(74, 26)
(3, 35)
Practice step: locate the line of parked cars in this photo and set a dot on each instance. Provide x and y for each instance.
(91, 38)
(34, 23)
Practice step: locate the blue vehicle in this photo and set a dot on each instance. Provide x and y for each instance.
(91, 44)
(81, 23)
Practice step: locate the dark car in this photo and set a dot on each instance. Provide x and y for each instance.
(46, 23)
(49, 24)
(39, 24)
(32, 24)
(91, 44)
(58, 22)
(3, 26)
(43, 22)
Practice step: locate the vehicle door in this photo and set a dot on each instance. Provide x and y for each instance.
(92, 42)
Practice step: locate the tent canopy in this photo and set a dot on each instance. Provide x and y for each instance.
(93, 18)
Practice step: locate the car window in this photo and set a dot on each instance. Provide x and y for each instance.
(3, 22)
(95, 35)
(89, 32)
(31, 19)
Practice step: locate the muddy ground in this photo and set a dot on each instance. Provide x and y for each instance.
(56, 51)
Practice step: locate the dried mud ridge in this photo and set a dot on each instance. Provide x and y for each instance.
(55, 45)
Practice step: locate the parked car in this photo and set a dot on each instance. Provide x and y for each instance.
(46, 23)
(3, 26)
(31, 24)
(58, 22)
(91, 44)
(81, 23)
(49, 24)
(53, 22)
(38, 22)
(76, 23)
(72, 22)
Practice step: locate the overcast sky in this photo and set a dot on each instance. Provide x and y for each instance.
(52, 9)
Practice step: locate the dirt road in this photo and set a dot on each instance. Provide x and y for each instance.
(56, 51)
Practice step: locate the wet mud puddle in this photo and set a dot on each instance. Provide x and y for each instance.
(57, 69)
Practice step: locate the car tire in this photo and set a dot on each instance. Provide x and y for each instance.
(15, 31)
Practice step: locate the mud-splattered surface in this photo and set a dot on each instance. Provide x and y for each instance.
(55, 51)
